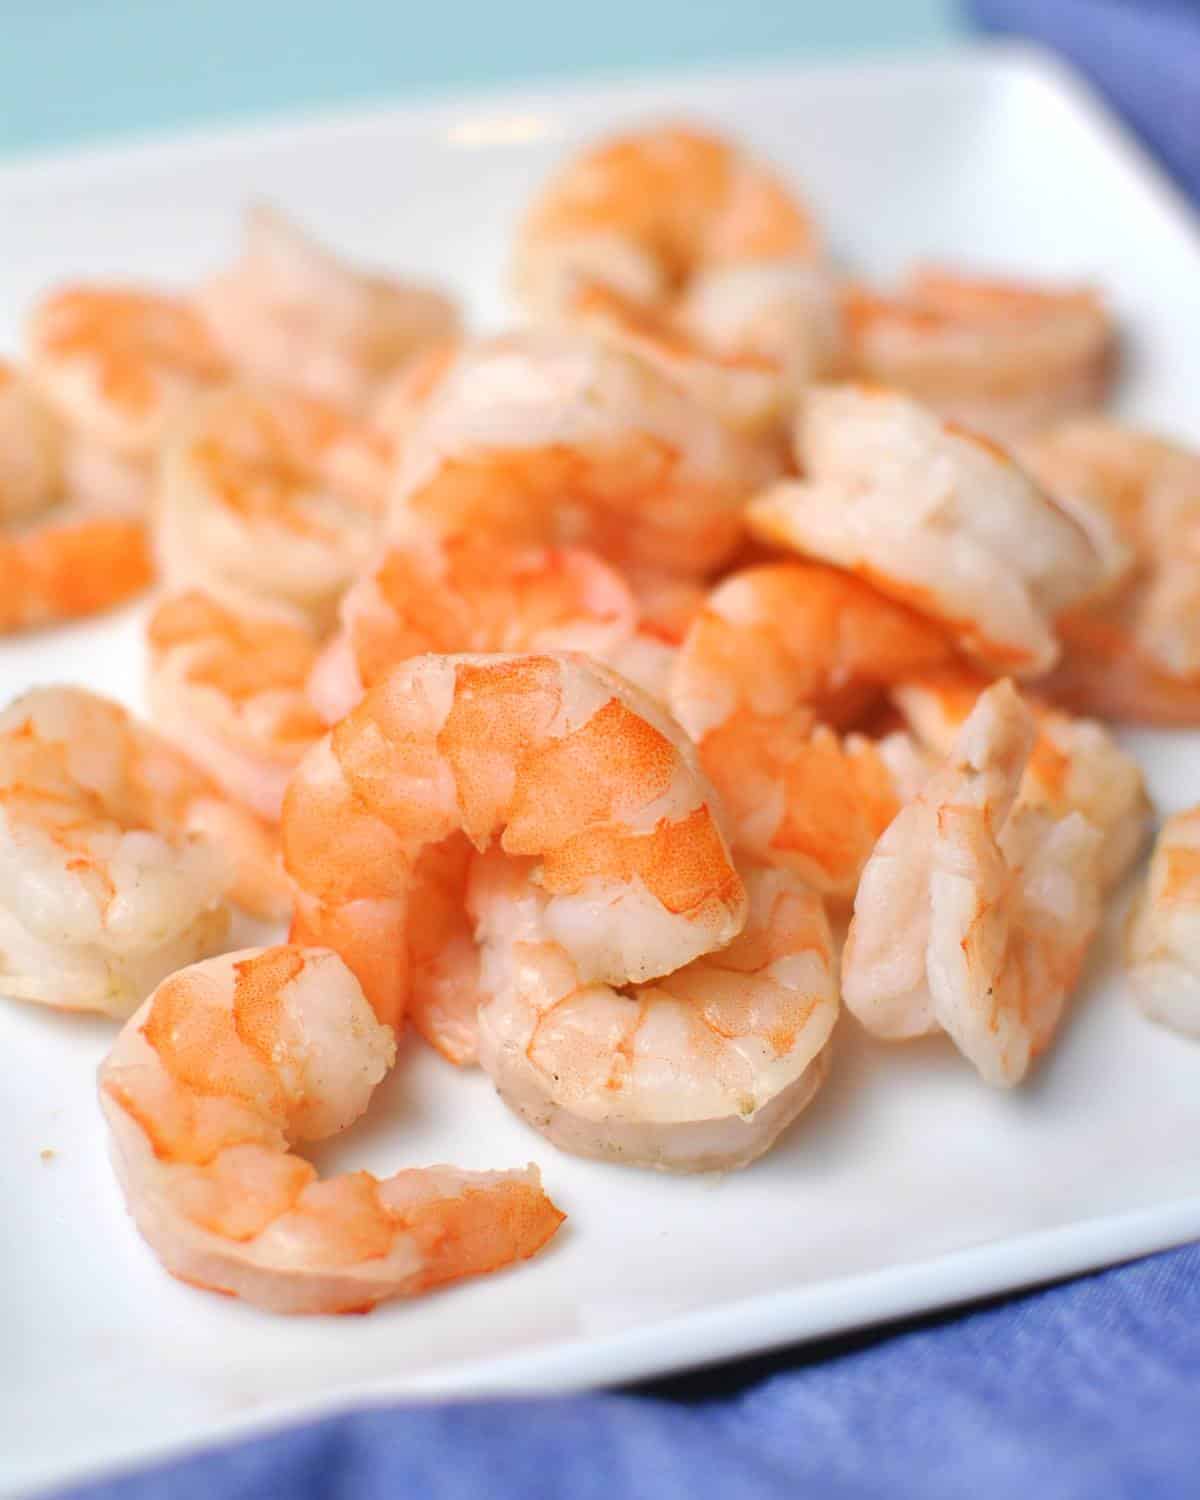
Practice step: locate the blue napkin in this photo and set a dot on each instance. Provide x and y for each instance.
(1084, 1392)
(1089, 1390)
(1143, 54)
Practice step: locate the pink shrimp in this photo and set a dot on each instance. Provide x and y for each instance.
(563, 762)
(1004, 357)
(550, 439)
(224, 1068)
(468, 594)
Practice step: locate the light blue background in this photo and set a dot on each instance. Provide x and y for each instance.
(73, 70)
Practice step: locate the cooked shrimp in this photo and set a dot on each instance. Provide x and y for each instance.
(1075, 765)
(290, 313)
(1004, 357)
(550, 439)
(97, 902)
(700, 1070)
(225, 1067)
(1162, 946)
(119, 364)
(269, 499)
(645, 212)
(783, 636)
(1135, 655)
(936, 518)
(58, 561)
(559, 759)
(778, 653)
(231, 690)
(749, 389)
(974, 915)
(468, 594)
(71, 568)
(803, 798)
(681, 247)
(445, 989)
(785, 312)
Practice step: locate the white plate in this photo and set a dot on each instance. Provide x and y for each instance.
(908, 1185)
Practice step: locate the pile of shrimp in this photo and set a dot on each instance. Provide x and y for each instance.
(606, 699)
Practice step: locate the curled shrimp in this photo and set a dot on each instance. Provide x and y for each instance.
(644, 212)
(226, 1066)
(561, 761)
(676, 244)
(745, 360)
(1133, 654)
(270, 498)
(1004, 357)
(101, 896)
(232, 691)
(789, 635)
(468, 594)
(119, 364)
(1162, 941)
(936, 518)
(974, 915)
(288, 312)
(700, 1069)
(1075, 765)
(551, 439)
(58, 560)
(778, 654)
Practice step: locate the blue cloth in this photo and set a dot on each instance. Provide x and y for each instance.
(1088, 1390)
(1085, 1392)
(1143, 54)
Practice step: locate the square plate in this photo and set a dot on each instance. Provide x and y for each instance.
(908, 1185)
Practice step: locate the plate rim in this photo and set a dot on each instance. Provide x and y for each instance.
(744, 1328)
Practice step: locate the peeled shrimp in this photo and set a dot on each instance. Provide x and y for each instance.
(674, 243)
(224, 1068)
(747, 370)
(782, 636)
(444, 989)
(270, 499)
(1133, 654)
(560, 760)
(644, 212)
(100, 897)
(779, 653)
(468, 594)
(936, 518)
(232, 691)
(1075, 764)
(1004, 357)
(290, 313)
(699, 1070)
(805, 798)
(550, 439)
(1162, 945)
(118, 364)
(58, 561)
(974, 915)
